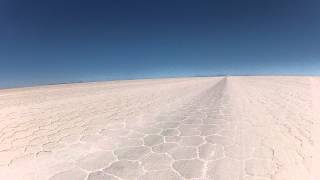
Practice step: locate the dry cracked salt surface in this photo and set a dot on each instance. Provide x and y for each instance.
(215, 128)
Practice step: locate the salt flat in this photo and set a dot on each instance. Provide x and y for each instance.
(220, 128)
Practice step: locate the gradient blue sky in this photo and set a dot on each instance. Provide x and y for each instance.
(52, 41)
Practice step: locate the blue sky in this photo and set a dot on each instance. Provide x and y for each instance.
(43, 42)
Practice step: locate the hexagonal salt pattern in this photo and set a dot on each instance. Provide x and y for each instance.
(201, 139)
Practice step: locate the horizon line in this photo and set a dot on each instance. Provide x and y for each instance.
(148, 78)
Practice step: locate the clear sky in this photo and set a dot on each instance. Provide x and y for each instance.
(52, 41)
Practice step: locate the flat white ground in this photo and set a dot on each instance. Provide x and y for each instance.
(223, 128)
